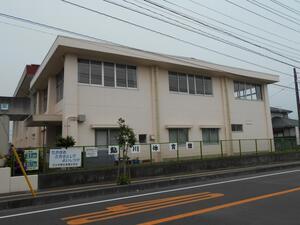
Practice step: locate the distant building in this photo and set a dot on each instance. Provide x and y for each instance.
(83, 87)
(283, 126)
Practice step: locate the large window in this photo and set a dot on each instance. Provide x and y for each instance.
(109, 74)
(106, 137)
(96, 72)
(59, 86)
(189, 83)
(210, 135)
(248, 91)
(106, 74)
(178, 135)
(131, 76)
(84, 71)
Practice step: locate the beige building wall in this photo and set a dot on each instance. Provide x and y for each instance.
(150, 109)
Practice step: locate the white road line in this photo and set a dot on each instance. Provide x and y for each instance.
(147, 194)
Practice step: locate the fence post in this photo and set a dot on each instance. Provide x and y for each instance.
(177, 152)
(240, 147)
(221, 149)
(150, 153)
(256, 147)
(201, 150)
(44, 159)
(271, 145)
(83, 157)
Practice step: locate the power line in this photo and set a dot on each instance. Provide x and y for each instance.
(241, 30)
(51, 27)
(284, 86)
(283, 89)
(245, 23)
(273, 11)
(198, 31)
(157, 32)
(174, 37)
(287, 7)
(262, 16)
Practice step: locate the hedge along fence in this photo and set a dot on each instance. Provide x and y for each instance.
(146, 154)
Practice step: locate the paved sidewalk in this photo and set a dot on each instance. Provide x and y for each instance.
(17, 200)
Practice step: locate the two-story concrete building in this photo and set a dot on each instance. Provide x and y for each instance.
(83, 87)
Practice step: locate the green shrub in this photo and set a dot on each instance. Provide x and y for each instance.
(123, 180)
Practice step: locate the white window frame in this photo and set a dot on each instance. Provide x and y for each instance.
(115, 75)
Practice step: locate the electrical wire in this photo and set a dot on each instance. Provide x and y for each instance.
(240, 30)
(174, 38)
(245, 23)
(286, 6)
(262, 16)
(198, 31)
(274, 11)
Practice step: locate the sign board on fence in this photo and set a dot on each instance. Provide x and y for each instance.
(135, 149)
(173, 147)
(155, 147)
(113, 149)
(62, 158)
(189, 145)
(31, 159)
(91, 152)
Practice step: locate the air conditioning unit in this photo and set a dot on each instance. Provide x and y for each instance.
(81, 118)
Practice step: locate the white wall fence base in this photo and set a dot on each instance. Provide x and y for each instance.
(11, 184)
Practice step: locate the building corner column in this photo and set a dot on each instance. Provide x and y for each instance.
(70, 98)
(227, 115)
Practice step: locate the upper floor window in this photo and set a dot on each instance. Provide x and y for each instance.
(189, 83)
(248, 91)
(107, 74)
(59, 86)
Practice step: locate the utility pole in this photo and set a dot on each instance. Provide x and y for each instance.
(297, 98)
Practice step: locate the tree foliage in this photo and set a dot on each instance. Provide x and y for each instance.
(126, 140)
(65, 142)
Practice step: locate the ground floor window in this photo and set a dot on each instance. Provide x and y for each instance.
(210, 135)
(106, 137)
(178, 135)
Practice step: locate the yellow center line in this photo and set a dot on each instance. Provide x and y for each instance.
(218, 207)
(109, 215)
(134, 205)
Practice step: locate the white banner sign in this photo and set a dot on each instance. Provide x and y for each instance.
(62, 158)
(135, 149)
(113, 149)
(91, 152)
(189, 145)
(173, 147)
(31, 158)
(155, 147)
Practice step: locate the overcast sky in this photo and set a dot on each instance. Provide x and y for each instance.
(22, 43)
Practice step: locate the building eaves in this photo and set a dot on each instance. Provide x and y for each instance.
(153, 57)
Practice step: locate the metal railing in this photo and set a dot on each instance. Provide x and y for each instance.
(199, 150)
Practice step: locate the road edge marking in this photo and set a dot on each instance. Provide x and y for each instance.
(219, 207)
(146, 194)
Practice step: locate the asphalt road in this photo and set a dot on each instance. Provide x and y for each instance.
(266, 198)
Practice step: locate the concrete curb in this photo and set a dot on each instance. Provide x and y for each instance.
(62, 196)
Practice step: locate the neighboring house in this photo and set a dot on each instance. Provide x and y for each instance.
(83, 87)
(283, 126)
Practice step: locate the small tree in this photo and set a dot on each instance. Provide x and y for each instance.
(126, 140)
(65, 142)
